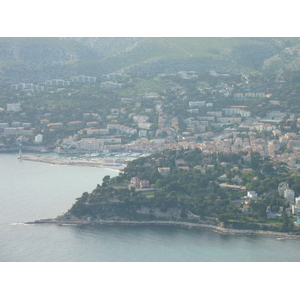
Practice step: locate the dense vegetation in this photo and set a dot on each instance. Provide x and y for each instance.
(191, 193)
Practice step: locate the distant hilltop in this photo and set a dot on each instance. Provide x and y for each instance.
(40, 59)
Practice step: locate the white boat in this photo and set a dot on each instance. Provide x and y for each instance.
(95, 154)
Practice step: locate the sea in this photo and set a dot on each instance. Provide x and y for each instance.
(31, 190)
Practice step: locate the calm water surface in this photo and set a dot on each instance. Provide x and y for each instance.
(30, 191)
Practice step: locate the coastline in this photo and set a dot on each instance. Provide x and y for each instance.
(99, 164)
(80, 222)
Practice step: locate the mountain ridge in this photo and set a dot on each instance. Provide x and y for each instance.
(39, 59)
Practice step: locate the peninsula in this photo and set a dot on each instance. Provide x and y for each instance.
(188, 188)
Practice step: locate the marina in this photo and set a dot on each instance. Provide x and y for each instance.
(99, 163)
(116, 161)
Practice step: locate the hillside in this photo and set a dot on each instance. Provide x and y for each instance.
(39, 59)
(287, 60)
(167, 55)
(189, 195)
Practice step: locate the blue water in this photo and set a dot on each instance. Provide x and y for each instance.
(31, 191)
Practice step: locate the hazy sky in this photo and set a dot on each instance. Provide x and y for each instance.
(155, 18)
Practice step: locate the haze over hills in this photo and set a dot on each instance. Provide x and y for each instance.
(39, 59)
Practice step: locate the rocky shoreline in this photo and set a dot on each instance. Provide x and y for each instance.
(79, 222)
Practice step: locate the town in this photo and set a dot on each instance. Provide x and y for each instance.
(119, 117)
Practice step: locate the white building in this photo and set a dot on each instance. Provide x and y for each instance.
(90, 144)
(92, 131)
(38, 138)
(229, 120)
(135, 181)
(144, 184)
(10, 131)
(282, 187)
(245, 113)
(231, 111)
(3, 125)
(289, 195)
(21, 86)
(163, 170)
(14, 107)
(139, 118)
(252, 195)
(142, 133)
(145, 125)
(197, 104)
(295, 209)
(29, 86)
(111, 84)
(238, 95)
(122, 128)
(15, 124)
(193, 111)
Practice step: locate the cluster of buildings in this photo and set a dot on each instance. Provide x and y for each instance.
(136, 182)
(236, 110)
(112, 76)
(194, 106)
(15, 128)
(274, 215)
(104, 145)
(27, 87)
(111, 84)
(57, 82)
(296, 206)
(234, 143)
(284, 190)
(31, 88)
(289, 159)
(197, 128)
(14, 107)
(122, 128)
(165, 125)
(83, 79)
(248, 95)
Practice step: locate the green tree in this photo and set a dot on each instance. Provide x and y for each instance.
(284, 218)
(268, 168)
(105, 181)
(159, 183)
